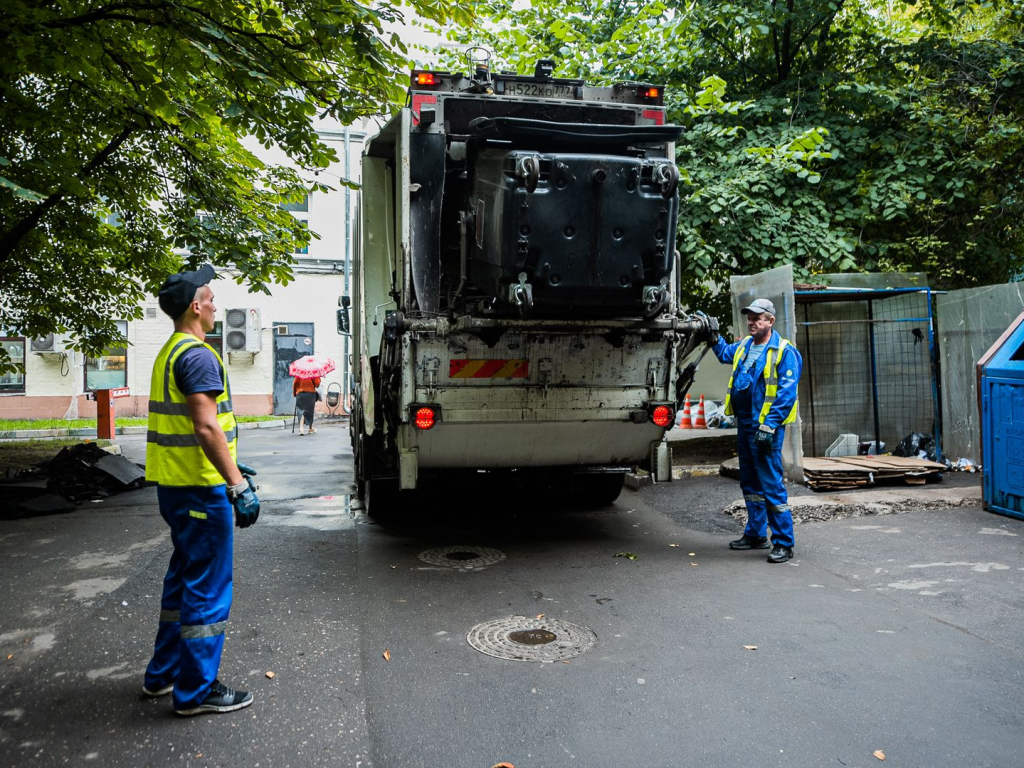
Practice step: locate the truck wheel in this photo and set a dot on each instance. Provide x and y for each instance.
(380, 497)
(599, 490)
(359, 461)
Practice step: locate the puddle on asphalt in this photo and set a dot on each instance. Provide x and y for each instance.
(321, 513)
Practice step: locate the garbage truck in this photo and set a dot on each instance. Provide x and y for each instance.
(515, 287)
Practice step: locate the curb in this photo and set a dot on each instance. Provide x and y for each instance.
(33, 434)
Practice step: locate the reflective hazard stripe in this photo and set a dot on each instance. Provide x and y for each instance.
(197, 515)
(488, 369)
(181, 409)
(754, 497)
(194, 631)
(181, 441)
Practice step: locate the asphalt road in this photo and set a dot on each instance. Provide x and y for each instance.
(897, 633)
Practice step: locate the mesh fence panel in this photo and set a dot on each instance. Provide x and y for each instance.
(867, 370)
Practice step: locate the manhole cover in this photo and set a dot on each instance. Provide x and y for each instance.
(521, 638)
(462, 558)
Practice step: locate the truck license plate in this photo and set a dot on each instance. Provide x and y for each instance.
(541, 90)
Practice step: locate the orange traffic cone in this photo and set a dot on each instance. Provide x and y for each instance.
(684, 420)
(699, 422)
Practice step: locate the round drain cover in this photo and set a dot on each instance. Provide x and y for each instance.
(462, 558)
(521, 638)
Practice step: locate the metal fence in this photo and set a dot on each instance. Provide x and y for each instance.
(869, 366)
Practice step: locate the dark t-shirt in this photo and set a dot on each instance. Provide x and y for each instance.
(197, 370)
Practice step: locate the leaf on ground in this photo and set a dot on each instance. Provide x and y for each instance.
(393, 567)
(695, 564)
(387, 655)
(503, 765)
(879, 754)
(673, 545)
(627, 555)
(750, 647)
(270, 675)
(540, 616)
(692, 554)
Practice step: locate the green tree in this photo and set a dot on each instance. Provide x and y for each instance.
(834, 135)
(122, 141)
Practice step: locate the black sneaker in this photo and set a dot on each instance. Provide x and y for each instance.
(220, 699)
(749, 542)
(780, 554)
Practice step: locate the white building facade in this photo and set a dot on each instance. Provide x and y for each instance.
(258, 335)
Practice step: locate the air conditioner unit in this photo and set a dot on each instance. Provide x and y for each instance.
(50, 344)
(242, 330)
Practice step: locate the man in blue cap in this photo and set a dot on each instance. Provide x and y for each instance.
(762, 394)
(191, 455)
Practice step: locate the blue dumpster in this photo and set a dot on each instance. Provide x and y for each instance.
(1001, 389)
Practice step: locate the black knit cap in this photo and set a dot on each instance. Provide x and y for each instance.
(179, 289)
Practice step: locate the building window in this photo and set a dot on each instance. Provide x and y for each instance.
(301, 206)
(215, 338)
(303, 249)
(15, 348)
(109, 370)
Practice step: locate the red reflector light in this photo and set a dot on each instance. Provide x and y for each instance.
(662, 416)
(424, 418)
(652, 93)
(427, 78)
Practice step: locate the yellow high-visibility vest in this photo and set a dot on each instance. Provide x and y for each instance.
(173, 454)
(771, 380)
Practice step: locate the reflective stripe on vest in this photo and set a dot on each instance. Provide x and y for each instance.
(771, 380)
(173, 454)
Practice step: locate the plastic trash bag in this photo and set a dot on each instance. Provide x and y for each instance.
(917, 445)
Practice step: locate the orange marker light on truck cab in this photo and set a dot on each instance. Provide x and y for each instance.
(652, 93)
(662, 416)
(427, 78)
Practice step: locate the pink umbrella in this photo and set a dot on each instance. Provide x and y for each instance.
(311, 367)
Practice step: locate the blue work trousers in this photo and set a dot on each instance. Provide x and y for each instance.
(197, 592)
(761, 482)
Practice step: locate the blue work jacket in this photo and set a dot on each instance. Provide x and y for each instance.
(789, 369)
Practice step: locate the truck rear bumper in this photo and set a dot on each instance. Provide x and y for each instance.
(492, 445)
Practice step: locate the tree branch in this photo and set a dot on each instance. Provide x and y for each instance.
(17, 233)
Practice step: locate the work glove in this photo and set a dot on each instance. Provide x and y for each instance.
(710, 327)
(764, 440)
(244, 500)
(247, 475)
(713, 330)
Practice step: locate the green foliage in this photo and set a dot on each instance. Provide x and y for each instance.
(126, 136)
(833, 135)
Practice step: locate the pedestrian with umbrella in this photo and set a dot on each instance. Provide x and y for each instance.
(307, 372)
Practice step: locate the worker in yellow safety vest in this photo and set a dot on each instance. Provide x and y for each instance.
(191, 454)
(762, 395)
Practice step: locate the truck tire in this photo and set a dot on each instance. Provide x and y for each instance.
(599, 490)
(380, 497)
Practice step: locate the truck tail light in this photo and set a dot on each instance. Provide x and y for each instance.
(425, 416)
(662, 415)
(426, 78)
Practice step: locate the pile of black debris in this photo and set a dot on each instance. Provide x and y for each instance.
(79, 473)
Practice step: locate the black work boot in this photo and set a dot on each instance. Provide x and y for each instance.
(220, 699)
(780, 554)
(749, 542)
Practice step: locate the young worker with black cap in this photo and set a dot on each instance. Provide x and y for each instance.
(191, 455)
(762, 395)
